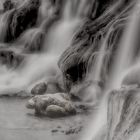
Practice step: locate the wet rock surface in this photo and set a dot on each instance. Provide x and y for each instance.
(10, 58)
(8, 5)
(21, 19)
(39, 89)
(53, 105)
(123, 113)
(33, 40)
(77, 61)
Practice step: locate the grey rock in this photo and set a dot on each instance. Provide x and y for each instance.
(78, 60)
(39, 89)
(123, 113)
(52, 105)
(55, 111)
(21, 19)
(10, 58)
(8, 5)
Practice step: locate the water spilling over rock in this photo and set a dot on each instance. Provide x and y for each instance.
(71, 54)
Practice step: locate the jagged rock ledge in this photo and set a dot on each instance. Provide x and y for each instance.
(124, 113)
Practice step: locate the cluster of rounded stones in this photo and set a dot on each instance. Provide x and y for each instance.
(51, 105)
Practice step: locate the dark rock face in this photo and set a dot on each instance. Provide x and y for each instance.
(124, 114)
(8, 5)
(10, 58)
(21, 19)
(107, 23)
(39, 89)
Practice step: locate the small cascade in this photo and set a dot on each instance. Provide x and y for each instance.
(4, 21)
(40, 46)
(126, 53)
(92, 45)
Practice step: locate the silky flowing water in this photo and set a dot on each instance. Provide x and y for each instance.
(38, 50)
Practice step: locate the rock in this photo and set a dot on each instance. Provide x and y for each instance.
(8, 5)
(55, 84)
(53, 87)
(33, 40)
(39, 89)
(78, 60)
(87, 91)
(123, 114)
(52, 105)
(10, 58)
(54, 130)
(73, 130)
(55, 111)
(21, 19)
(70, 109)
(132, 76)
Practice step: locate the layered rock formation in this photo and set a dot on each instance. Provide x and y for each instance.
(123, 114)
(109, 20)
(20, 19)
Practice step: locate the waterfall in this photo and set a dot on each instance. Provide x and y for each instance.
(40, 45)
(92, 45)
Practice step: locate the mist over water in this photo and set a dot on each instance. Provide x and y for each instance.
(76, 40)
(42, 64)
(124, 71)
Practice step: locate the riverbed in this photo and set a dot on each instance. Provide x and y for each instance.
(19, 123)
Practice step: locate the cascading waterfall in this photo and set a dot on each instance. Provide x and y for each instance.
(125, 67)
(36, 65)
(75, 39)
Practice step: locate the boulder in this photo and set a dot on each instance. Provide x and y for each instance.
(52, 105)
(39, 89)
(55, 111)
